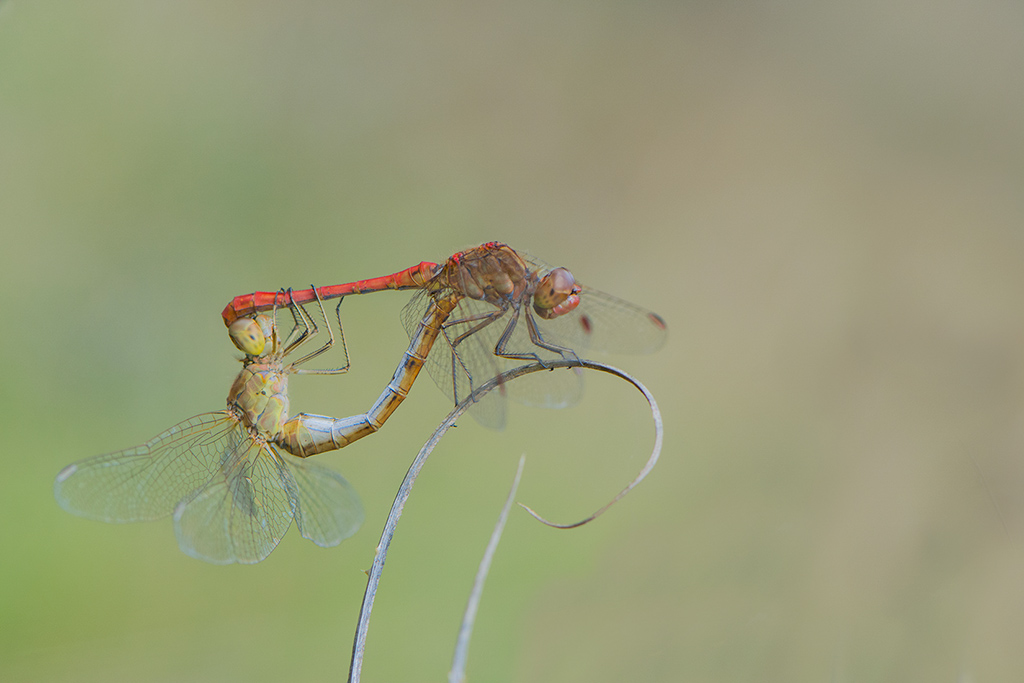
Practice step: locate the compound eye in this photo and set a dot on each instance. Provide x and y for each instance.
(553, 289)
(247, 334)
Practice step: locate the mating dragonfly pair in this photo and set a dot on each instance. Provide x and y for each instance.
(234, 480)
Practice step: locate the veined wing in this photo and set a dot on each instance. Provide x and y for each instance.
(600, 322)
(477, 352)
(603, 322)
(473, 363)
(328, 510)
(245, 509)
(146, 482)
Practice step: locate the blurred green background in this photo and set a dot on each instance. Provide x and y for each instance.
(824, 202)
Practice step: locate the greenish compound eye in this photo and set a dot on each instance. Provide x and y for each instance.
(248, 336)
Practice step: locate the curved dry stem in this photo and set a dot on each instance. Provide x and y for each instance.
(652, 460)
(359, 644)
(457, 674)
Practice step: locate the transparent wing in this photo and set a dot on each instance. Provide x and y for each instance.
(603, 322)
(478, 352)
(472, 363)
(328, 510)
(244, 511)
(146, 482)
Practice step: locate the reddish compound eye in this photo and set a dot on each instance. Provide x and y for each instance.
(557, 294)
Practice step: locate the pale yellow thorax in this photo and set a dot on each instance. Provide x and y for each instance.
(259, 394)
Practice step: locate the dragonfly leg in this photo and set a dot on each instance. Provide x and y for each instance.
(457, 365)
(538, 340)
(306, 435)
(330, 343)
(303, 329)
(482, 320)
(500, 348)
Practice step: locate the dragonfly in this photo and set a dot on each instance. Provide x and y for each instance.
(506, 309)
(233, 480)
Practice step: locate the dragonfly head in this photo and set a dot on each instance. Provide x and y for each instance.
(557, 293)
(248, 335)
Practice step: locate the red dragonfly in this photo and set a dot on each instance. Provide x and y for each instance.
(505, 309)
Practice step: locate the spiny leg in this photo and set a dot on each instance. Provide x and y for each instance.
(499, 347)
(457, 364)
(303, 328)
(306, 435)
(326, 346)
(538, 340)
(484, 319)
(501, 351)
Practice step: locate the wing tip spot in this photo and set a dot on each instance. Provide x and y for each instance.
(63, 475)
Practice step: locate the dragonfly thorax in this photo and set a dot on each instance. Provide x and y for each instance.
(260, 396)
(492, 272)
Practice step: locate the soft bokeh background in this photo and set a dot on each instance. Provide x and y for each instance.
(825, 202)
